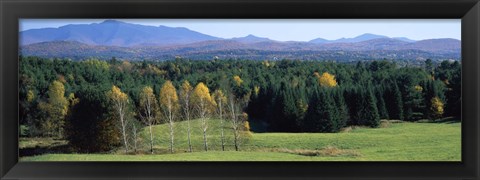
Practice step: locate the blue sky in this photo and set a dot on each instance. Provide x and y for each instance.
(288, 29)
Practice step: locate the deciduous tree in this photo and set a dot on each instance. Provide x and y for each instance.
(235, 119)
(148, 110)
(119, 102)
(56, 109)
(185, 95)
(170, 106)
(327, 80)
(204, 105)
(436, 107)
(220, 100)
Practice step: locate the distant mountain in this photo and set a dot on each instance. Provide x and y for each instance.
(403, 39)
(360, 38)
(115, 33)
(319, 41)
(363, 37)
(122, 40)
(251, 39)
(436, 45)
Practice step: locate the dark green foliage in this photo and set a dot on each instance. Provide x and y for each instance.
(367, 112)
(409, 81)
(287, 98)
(450, 73)
(351, 99)
(321, 114)
(382, 108)
(341, 107)
(89, 128)
(393, 101)
(433, 88)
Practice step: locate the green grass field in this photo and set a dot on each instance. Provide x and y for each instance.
(404, 141)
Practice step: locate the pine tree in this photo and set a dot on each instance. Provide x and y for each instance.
(382, 109)
(321, 113)
(341, 107)
(353, 102)
(368, 112)
(393, 101)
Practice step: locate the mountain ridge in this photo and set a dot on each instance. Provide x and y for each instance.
(112, 38)
(119, 33)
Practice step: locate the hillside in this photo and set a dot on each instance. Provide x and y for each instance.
(226, 49)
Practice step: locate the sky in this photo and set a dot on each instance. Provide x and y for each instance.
(288, 29)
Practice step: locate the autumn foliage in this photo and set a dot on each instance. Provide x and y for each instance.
(326, 79)
(95, 103)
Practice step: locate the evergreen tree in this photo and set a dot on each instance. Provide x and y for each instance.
(382, 109)
(341, 107)
(321, 113)
(368, 113)
(393, 101)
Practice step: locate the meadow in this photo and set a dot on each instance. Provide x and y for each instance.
(392, 141)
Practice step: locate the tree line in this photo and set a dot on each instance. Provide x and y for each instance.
(89, 102)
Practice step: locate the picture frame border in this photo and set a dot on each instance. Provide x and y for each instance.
(466, 10)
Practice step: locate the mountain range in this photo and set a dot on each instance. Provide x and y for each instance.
(113, 38)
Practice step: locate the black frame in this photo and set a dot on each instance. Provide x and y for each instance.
(467, 10)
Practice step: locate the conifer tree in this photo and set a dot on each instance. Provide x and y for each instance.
(321, 113)
(393, 101)
(342, 109)
(368, 112)
(382, 109)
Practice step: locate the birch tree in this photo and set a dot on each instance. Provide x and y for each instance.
(119, 102)
(148, 110)
(204, 105)
(169, 105)
(135, 130)
(185, 95)
(221, 101)
(235, 120)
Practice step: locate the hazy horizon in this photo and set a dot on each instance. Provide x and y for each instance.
(287, 29)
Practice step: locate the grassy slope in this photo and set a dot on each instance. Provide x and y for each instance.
(398, 142)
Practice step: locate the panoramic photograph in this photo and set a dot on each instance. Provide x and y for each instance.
(240, 90)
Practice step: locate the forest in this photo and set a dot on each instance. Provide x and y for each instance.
(98, 105)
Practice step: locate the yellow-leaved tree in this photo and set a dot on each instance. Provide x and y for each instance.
(56, 109)
(238, 80)
(119, 103)
(327, 80)
(185, 95)
(221, 101)
(169, 106)
(437, 107)
(204, 105)
(148, 110)
(30, 96)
